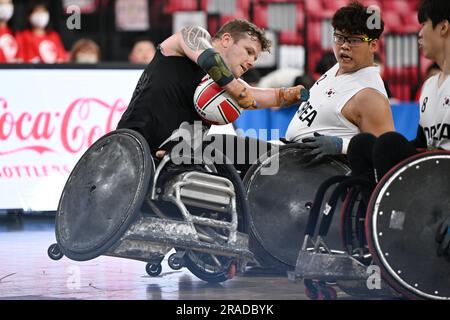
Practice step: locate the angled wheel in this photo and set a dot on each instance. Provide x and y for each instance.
(403, 218)
(290, 202)
(103, 194)
(210, 268)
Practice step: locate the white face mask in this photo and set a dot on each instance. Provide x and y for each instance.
(6, 11)
(86, 58)
(40, 19)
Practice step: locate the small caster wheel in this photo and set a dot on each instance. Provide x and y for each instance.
(54, 252)
(311, 291)
(327, 293)
(176, 263)
(232, 270)
(153, 270)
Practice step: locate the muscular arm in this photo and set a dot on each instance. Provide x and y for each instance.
(370, 111)
(272, 97)
(265, 97)
(192, 42)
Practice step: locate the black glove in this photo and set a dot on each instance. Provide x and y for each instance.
(320, 146)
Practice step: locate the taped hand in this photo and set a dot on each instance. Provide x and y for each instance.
(289, 96)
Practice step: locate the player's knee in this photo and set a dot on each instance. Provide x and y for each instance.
(360, 142)
(390, 149)
(360, 153)
(392, 143)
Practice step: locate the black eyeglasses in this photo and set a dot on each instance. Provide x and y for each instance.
(352, 40)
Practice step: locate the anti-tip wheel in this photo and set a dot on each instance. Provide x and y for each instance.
(153, 270)
(175, 262)
(311, 290)
(327, 293)
(54, 252)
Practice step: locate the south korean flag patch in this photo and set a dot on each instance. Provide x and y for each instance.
(330, 92)
(446, 103)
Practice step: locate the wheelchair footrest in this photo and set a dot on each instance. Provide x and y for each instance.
(153, 236)
(327, 267)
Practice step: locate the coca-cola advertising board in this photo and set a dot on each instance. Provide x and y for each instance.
(48, 118)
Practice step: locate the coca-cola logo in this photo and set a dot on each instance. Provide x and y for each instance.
(74, 129)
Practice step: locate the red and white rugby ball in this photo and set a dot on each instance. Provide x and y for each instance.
(214, 104)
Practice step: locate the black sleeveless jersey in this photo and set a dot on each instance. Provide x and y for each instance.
(163, 98)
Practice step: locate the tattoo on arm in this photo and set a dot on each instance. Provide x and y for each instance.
(196, 38)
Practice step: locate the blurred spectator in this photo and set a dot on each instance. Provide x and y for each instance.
(85, 51)
(326, 62)
(142, 52)
(8, 45)
(38, 43)
(432, 70)
(379, 62)
(280, 78)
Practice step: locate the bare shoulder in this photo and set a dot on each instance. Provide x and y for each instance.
(369, 110)
(370, 93)
(373, 111)
(368, 99)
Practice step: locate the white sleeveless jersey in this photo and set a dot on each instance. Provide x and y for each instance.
(435, 112)
(322, 112)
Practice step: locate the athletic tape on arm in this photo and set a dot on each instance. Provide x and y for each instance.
(212, 63)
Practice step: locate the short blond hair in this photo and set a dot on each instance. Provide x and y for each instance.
(239, 27)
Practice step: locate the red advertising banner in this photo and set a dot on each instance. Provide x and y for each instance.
(48, 118)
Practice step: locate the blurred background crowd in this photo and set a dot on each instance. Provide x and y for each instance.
(127, 31)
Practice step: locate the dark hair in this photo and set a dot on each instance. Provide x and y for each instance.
(31, 7)
(435, 10)
(354, 19)
(433, 66)
(238, 27)
(37, 3)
